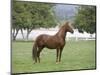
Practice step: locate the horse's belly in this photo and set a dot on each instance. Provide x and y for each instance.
(52, 45)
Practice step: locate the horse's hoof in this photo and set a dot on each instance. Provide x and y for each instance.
(57, 62)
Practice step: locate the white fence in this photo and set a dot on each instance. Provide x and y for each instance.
(76, 35)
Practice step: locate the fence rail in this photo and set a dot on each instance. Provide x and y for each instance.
(76, 36)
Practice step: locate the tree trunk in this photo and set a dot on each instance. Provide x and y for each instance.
(22, 33)
(15, 32)
(28, 32)
(27, 35)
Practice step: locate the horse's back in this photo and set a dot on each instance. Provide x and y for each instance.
(41, 39)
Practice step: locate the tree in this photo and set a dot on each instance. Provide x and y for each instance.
(85, 19)
(29, 16)
(16, 20)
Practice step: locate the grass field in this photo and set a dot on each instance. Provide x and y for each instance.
(75, 56)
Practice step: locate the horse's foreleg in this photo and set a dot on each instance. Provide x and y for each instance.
(60, 54)
(57, 53)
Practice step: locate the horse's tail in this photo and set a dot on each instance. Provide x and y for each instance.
(34, 52)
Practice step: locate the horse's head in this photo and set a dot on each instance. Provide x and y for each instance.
(68, 27)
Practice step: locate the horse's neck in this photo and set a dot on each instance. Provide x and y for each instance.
(61, 33)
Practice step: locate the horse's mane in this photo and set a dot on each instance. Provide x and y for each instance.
(66, 24)
(63, 25)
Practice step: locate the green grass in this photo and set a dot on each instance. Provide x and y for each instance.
(75, 56)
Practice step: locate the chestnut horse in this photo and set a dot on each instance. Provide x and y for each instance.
(56, 41)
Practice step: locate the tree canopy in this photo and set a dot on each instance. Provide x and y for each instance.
(85, 19)
(29, 15)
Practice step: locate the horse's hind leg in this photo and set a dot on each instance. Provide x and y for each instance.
(38, 53)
